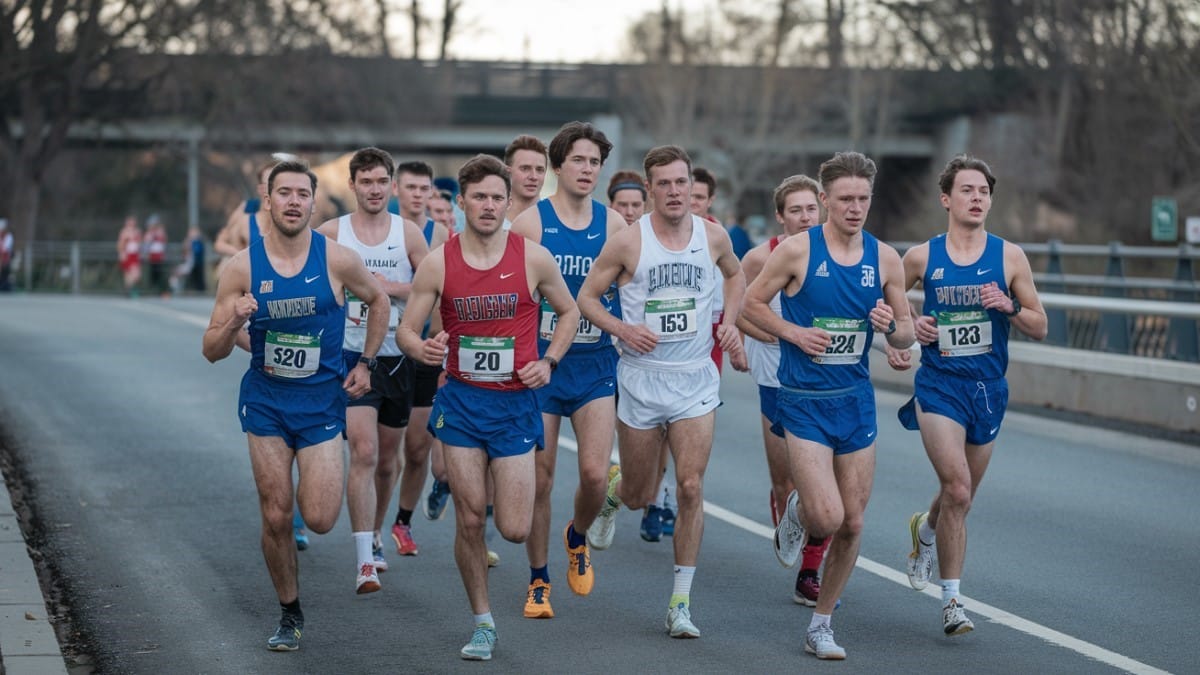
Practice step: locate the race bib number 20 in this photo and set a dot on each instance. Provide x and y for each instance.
(486, 359)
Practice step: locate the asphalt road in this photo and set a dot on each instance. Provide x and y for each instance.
(1082, 558)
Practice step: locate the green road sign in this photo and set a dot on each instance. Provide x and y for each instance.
(1164, 220)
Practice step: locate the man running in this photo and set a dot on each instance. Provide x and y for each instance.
(292, 404)
(666, 270)
(840, 285)
(574, 228)
(977, 287)
(486, 284)
(525, 157)
(391, 248)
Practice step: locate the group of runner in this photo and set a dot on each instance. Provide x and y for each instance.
(579, 304)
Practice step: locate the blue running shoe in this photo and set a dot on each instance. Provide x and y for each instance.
(668, 521)
(299, 532)
(435, 503)
(652, 524)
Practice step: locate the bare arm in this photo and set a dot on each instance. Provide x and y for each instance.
(1032, 320)
(606, 270)
(553, 288)
(347, 267)
(426, 290)
(234, 305)
(892, 313)
(229, 240)
(752, 264)
(778, 274)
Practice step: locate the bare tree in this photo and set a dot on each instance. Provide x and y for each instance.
(449, 22)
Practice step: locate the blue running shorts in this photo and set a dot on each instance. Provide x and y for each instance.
(579, 380)
(768, 404)
(502, 423)
(302, 415)
(976, 405)
(841, 419)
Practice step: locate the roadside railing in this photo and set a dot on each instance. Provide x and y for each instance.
(1090, 303)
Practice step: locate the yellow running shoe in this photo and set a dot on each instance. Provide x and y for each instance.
(537, 601)
(579, 565)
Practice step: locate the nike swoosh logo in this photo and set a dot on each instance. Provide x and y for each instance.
(593, 236)
(393, 248)
(697, 250)
(309, 280)
(870, 435)
(993, 430)
(706, 402)
(505, 276)
(528, 440)
(982, 272)
(330, 427)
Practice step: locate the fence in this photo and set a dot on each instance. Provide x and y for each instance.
(1089, 301)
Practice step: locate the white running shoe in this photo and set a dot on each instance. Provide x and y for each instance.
(600, 534)
(679, 622)
(819, 642)
(954, 619)
(789, 534)
(368, 579)
(920, 560)
(482, 644)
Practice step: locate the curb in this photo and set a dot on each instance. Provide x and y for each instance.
(27, 640)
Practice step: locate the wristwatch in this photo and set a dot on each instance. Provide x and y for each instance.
(552, 361)
(1016, 307)
(371, 363)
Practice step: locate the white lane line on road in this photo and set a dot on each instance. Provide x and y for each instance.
(993, 614)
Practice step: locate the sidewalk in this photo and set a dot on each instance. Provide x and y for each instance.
(27, 641)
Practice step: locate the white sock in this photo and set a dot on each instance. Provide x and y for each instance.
(949, 590)
(362, 546)
(820, 620)
(683, 580)
(926, 533)
(485, 619)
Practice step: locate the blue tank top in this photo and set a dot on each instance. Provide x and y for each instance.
(575, 251)
(428, 231)
(255, 233)
(972, 341)
(296, 333)
(837, 298)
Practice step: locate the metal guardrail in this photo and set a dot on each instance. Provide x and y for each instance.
(1152, 317)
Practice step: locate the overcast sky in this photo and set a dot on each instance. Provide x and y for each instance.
(543, 30)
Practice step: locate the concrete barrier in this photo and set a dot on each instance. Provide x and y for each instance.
(1155, 392)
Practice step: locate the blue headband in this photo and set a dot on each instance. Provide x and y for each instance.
(626, 186)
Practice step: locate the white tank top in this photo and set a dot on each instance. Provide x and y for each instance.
(673, 293)
(763, 357)
(390, 259)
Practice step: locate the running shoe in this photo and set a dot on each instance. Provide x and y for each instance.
(920, 560)
(377, 558)
(435, 503)
(402, 535)
(819, 642)
(287, 636)
(679, 622)
(668, 521)
(954, 619)
(789, 534)
(537, 601)
(579, 567)
(493, 558)
(368, 580)
(482, 644)
(808, 588)
(600, 534)
(652, 524)
(298, 531)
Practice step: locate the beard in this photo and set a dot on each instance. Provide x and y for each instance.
(289, 229)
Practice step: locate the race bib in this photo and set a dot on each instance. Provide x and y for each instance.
(847, 340)
(964, 333)
(357, 310)
(672, 319)
(586, 333)
(486, 359)
(291, 356)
